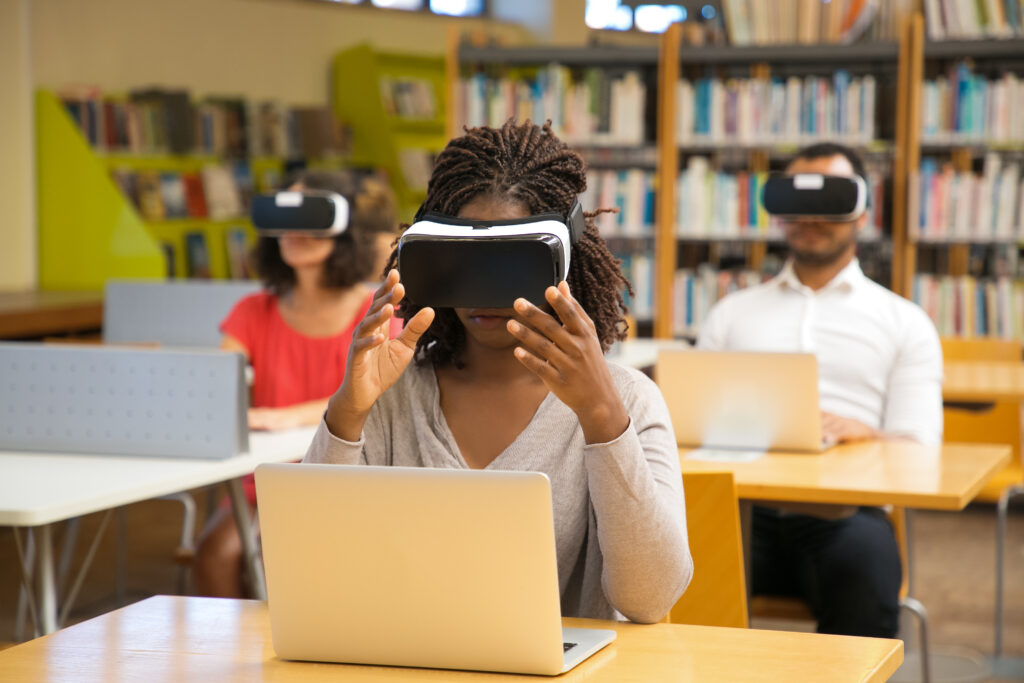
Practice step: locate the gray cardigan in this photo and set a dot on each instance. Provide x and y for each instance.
(620, 523)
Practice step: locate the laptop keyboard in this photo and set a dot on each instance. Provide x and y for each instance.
(567, 646)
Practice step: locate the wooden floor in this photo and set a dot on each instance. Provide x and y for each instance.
(953, 573)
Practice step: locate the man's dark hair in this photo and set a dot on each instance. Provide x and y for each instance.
(371, 211)
(831, 149)
(522, 163)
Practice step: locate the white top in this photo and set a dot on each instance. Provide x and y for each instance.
(40, 488)
(879, 357)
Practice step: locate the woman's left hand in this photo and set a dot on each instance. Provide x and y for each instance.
(568, 359)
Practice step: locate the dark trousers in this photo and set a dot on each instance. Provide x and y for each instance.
(847, 570)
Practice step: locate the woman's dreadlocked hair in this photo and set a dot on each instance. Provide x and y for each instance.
(522, 163)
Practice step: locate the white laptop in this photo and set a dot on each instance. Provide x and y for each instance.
(450, 569)
(742, 400)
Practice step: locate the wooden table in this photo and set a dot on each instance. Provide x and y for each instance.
(898, 473)
(41, 313)
(202, 639)
(983, 382)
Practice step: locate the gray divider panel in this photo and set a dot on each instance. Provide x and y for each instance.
(185, 313)
(67, 399)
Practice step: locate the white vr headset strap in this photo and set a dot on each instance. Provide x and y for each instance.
(290, 199)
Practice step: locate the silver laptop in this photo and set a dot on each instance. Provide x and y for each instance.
(742, 400)
(450, 569)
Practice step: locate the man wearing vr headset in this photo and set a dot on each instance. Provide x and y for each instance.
(506, 370)
(879, 373)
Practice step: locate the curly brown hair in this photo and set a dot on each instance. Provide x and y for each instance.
(372, 211)
(528, 164)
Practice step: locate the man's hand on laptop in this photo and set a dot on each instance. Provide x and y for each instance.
(375, 362)
(835, 429)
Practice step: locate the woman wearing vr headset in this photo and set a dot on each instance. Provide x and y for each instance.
(296, 337)
(527, 387)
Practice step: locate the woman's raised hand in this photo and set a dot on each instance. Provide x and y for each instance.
(374, 361)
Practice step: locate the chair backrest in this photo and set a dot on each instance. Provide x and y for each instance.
(78, 399)
(179, 313)
(717, 595)
(958, 349)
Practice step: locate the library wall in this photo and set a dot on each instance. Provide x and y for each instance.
(17, 198)
(278, 49)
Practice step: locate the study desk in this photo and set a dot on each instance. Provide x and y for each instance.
(40, 313)
(983, 382)
(901, 473)
(39, 489)
(173, 638)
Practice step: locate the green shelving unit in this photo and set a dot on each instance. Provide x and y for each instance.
(383, 138)
(88, 231)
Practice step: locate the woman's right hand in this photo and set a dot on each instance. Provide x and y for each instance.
(374, 361)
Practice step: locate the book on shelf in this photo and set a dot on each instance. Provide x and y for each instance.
(416, 165)
(788, 22)
(170, 265)
(964, 107)
(970, 307)
(695, 291)
(951, 205)
(638, 268)
(150, 196)
(237, 243)
(172, 192)
(791, 111)
(631, 191)
(713, 203)
(197, 256)
(223, 199)
(973, 19)
(195, 197)
(603, 107)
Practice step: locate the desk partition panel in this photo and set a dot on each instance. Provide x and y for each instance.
(70, 399)
(181, 313)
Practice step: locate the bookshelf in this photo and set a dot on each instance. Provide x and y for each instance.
(889, 253)
(966, 192)
(398, 103)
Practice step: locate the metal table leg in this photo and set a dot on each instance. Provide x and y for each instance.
(45, 583)
(245, 530)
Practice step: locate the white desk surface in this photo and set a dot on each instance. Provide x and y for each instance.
(643, 353)
(40, 488)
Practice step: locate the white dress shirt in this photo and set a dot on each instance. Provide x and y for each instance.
(879, 357)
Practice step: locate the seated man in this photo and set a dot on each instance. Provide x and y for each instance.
(879, 375)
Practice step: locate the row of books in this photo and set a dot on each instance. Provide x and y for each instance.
(792, 111)
(160, 121)
(952, 205)
(963, 106)
(631, 192)
(715, 203)
(217, 192)
(603, 106)
(755, 22)
(408, 97)
(695, 291)
(197, 255)
(959, 19)
(969, 307)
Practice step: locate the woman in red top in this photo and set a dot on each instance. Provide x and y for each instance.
(296, 335)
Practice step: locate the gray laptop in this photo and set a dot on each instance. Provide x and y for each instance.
(448, 569)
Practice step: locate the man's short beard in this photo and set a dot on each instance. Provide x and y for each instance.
(816, 258)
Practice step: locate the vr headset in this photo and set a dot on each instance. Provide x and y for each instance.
(448, 262)
(311, 212)
(812, 196)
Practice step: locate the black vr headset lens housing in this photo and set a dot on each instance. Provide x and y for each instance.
(449, 262)
(310, 212)
(812, 196)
